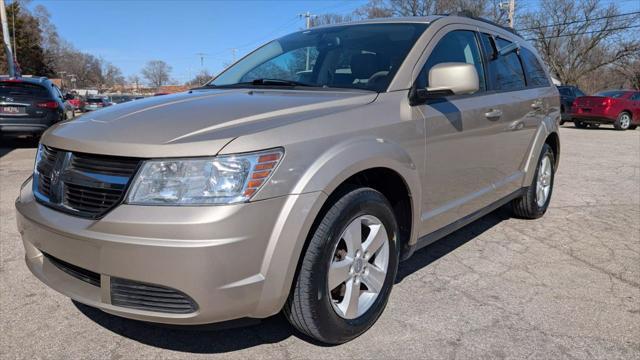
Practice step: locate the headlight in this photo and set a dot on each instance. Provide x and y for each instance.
(201, 181)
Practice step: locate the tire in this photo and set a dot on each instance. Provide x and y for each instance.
(623, 121)
(527, 206)
(580, 124)
(633, 127)
(312, 307)
(562, 122)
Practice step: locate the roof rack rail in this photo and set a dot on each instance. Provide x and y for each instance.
(468, 14)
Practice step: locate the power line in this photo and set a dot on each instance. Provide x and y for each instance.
(579, 21)
(586, 32)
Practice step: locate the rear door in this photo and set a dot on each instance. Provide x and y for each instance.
(522, 104)
(461, 131)
(635, 103)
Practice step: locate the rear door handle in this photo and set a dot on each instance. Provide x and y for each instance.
(536, 105)
(493, 114)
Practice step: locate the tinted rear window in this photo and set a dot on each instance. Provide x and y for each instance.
(611, 94)
(94, 101)
(505, 71)
(535, 72)
(22, 89)
(565, 91)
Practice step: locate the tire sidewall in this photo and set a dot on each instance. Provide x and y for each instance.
(373, 203)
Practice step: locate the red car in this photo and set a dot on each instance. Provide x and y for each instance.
(76, 101)
(618, 107)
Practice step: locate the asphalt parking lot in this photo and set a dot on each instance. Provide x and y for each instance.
(564, 286)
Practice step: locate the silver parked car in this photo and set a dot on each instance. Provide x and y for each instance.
(297, 179)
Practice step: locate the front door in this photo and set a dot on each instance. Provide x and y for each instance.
(461, 132)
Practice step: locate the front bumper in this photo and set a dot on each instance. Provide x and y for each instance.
(234, 261)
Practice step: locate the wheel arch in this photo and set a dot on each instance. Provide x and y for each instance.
(374, 163)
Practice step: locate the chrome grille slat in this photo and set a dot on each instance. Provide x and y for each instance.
(91, 184)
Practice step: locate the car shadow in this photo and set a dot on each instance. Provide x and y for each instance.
(237, 335)
(8, 144)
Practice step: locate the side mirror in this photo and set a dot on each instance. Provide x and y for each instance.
(447, 79)
(459, 78)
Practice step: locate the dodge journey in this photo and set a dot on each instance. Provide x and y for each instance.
(298, 179)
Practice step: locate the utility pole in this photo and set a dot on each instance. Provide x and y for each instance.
(512, 13)
(307, 17)
(7, 41)
(510, 7)
(202, 56)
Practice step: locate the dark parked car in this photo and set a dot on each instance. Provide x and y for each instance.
(96, 103)
(29, 105)
(620, 108)
(119, 99)
(568, 94)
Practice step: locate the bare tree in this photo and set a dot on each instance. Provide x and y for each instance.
(328, 19)
(390, 8)
(134, 80)
(200, 79)
(111, 75)
(157, 73)
(576, 38)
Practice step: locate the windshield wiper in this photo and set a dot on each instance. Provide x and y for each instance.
(258, 82)
(278, 82)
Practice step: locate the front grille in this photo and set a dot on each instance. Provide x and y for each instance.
(141, 296)
(84, 185)
(75, 271)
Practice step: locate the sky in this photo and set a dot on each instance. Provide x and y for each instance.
(128, 33)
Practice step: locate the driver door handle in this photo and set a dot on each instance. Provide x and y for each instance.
(493, 114)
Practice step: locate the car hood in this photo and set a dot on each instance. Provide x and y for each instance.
(194, 123)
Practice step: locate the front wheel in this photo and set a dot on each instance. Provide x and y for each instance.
(623, 122)
(535, 201)
(348, 269)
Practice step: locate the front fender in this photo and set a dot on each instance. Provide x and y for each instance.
(311, 192)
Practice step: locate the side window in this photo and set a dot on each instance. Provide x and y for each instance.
(535, 72)
(56, 92)
(456, 46)
(636, 96)
(505, 71)
(578, 92)
(565, 91)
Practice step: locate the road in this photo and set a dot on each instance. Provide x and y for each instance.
(564, 286)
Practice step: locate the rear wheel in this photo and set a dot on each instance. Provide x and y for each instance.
(535, 201)
(623, 122)
(348, 269)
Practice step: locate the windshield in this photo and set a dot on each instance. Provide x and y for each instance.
(363, 56)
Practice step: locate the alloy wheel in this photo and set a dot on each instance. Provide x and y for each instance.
(359, 266)
(543, 184)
